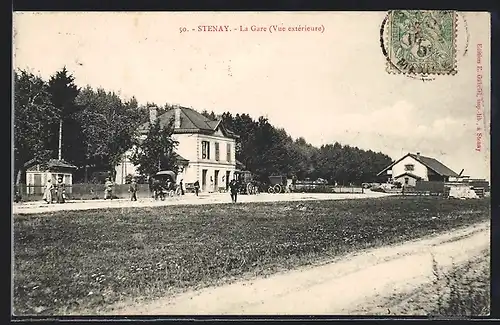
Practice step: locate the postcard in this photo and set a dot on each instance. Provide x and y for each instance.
(251, 163)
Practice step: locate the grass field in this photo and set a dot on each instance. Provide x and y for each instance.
(75, 260)
(466, 289)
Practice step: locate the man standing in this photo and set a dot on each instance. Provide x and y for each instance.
(196, 187)
(133, 190)
(108, 191)
(181, 184)
(233, 185)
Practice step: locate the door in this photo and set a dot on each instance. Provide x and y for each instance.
(203, 180)
(38, 186)
(228, 174)
(216, 181)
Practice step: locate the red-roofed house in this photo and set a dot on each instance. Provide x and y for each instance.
(206, 149)
(412, 167)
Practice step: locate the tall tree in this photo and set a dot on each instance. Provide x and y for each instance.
(155, 152)
(63, 93)
(33, 115)
(109, 127)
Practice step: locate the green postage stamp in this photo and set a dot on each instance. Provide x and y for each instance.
(421, 42)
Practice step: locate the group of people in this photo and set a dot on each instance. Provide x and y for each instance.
(108, 189)
(55, 192)
(233, 187)
(160, 189)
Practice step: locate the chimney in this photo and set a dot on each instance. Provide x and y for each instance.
(177, 117)
(152, 114)
(418, 154)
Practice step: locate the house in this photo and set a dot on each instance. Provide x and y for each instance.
(37, 175)
(205, 150)
(413, 167)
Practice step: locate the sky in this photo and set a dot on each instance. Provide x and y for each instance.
(324, 86)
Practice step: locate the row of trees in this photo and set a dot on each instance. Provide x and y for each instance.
(267, 150)
(98, 127)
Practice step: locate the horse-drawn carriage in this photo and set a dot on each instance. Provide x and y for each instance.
(246, 183)
(278, 184)
(164, 184)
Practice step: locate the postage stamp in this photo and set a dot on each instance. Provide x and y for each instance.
(421, 42)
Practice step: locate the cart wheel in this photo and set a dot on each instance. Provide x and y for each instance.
(171, 193)
(270, 190)
(178, 191)
(249, 189)
(162, 197)
(277, 188)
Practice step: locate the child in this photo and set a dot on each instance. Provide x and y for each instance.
(61, 191)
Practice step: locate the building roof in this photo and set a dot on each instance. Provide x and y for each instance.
(191, 122)
(180, 160)
(408, 174)
(52, 164)
(431, 163)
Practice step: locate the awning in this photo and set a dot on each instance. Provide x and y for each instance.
(180, 160)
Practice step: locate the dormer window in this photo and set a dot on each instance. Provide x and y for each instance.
(409, 167)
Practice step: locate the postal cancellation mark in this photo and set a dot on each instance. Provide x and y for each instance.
(422, 42)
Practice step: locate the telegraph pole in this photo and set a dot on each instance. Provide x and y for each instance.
(60, 140)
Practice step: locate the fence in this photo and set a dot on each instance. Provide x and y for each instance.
(443, 188)
(429, 187)
(83, 192)
(320, 188)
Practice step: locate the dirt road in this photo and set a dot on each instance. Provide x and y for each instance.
(356, 282)
(215, 198)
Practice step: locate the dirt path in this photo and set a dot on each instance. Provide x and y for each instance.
(215, 198)
(354, 283)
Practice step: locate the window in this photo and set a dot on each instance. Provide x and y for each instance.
(407, 180)
(217, 153)
(228, 152)
(205, 150)
(409, 167)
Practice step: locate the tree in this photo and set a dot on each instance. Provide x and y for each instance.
(108, 127)
(210, 115)
(63, 93)
(33, 115)
(156, 151)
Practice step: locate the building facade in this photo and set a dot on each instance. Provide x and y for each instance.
(205, 150)
(38, 175)
(414, 167)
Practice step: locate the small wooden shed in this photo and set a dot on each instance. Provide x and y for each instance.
(37, 175)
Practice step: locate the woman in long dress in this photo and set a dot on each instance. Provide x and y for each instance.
(47, 195)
